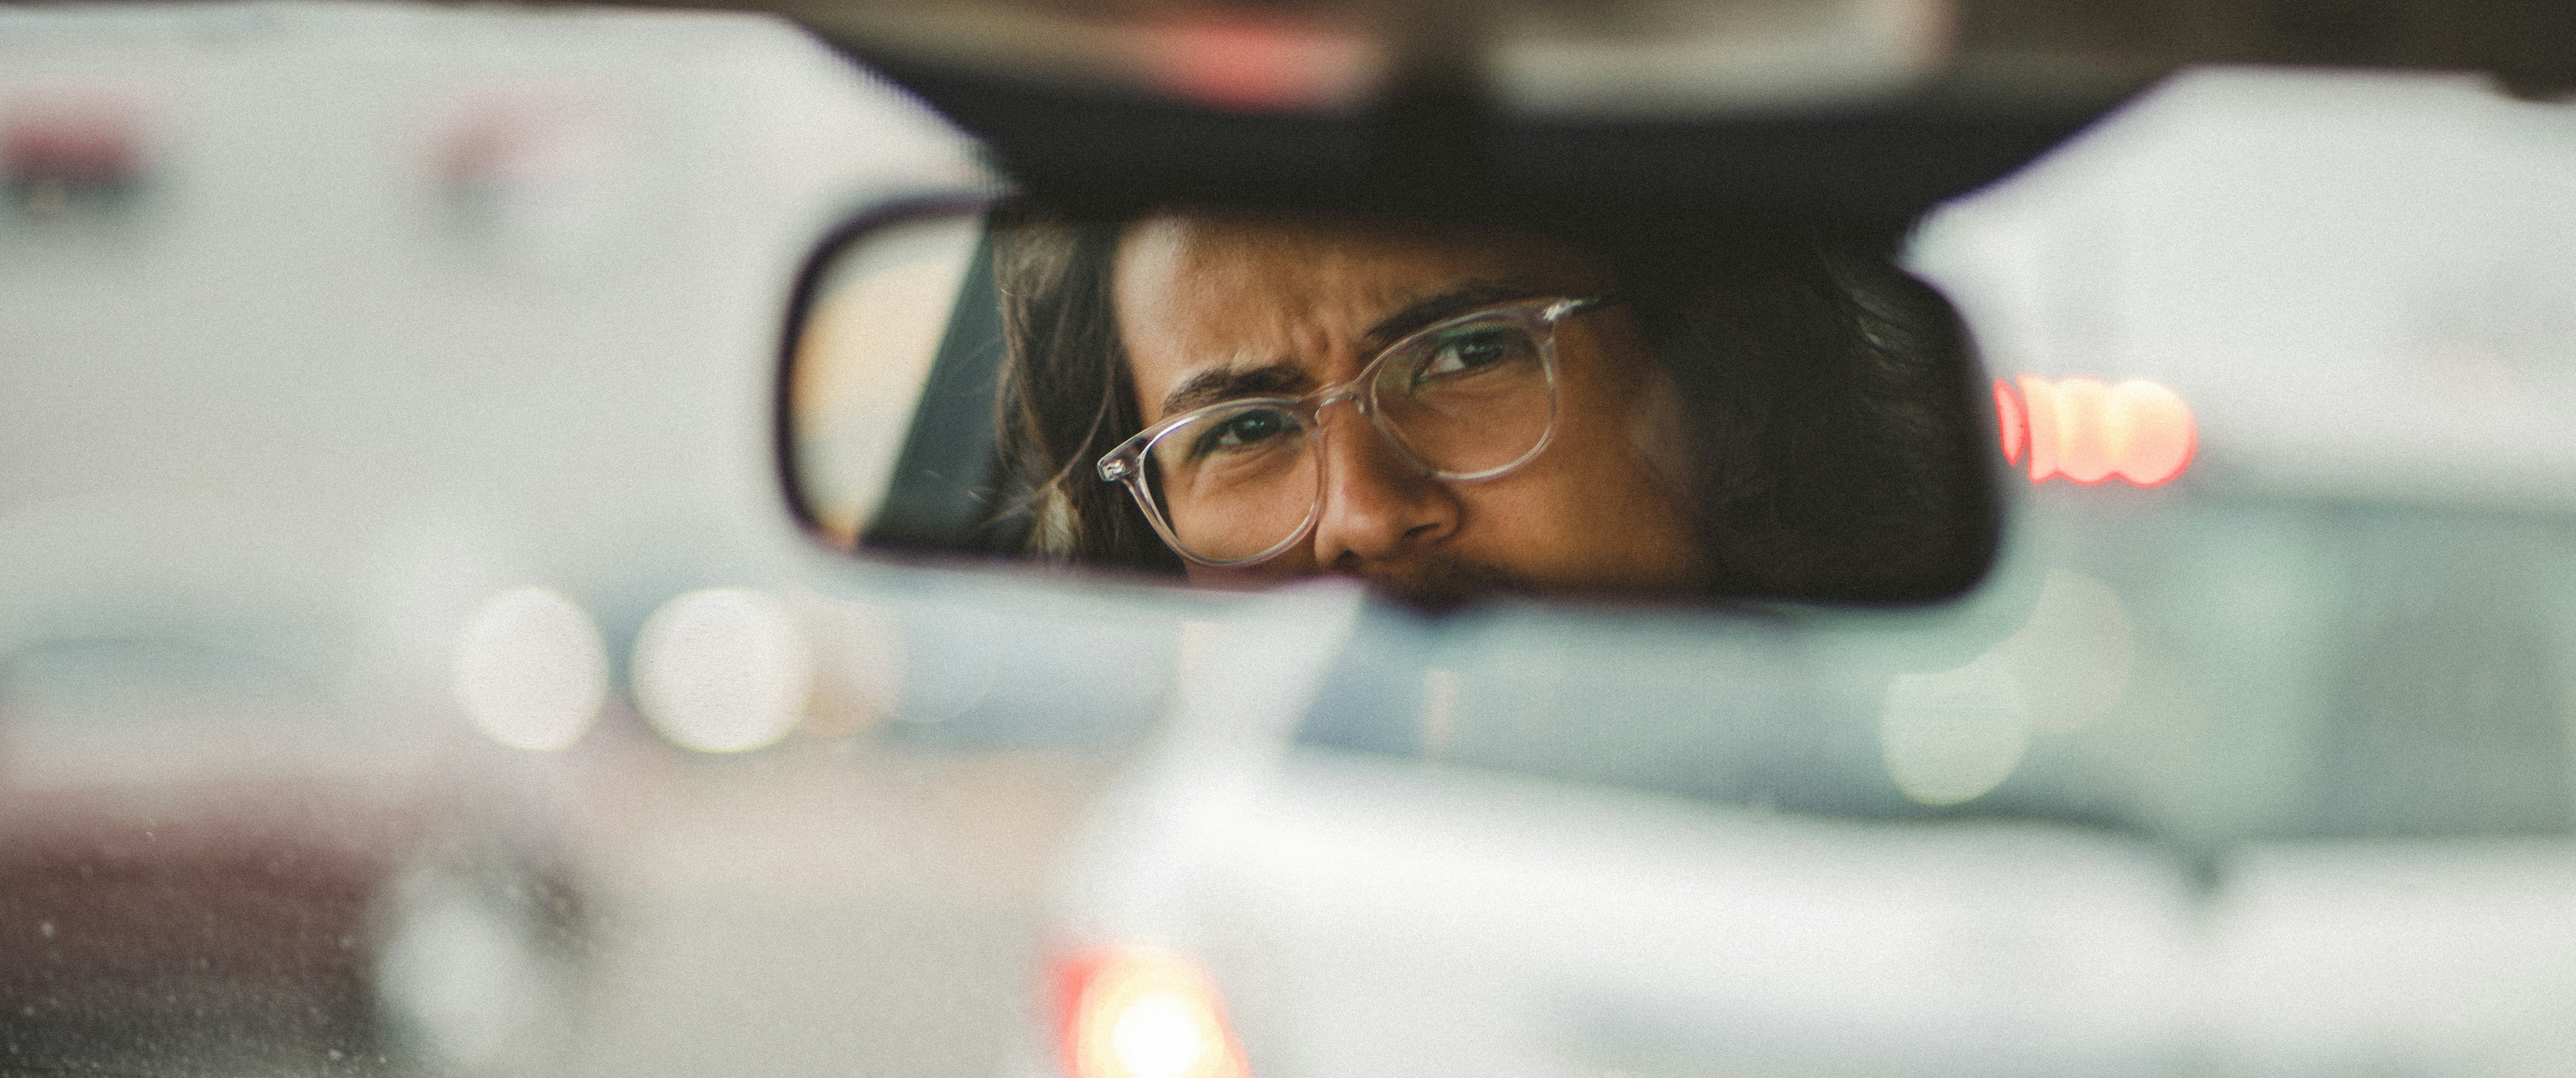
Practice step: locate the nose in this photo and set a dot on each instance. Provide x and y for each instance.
(1378, 505)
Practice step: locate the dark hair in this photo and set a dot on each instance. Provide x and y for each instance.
(1066, 395)
(1830, 394)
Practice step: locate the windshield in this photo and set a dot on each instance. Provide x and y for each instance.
(410, 662)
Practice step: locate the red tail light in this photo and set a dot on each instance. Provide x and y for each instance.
(76, 139)
(2089, 431)
(1143, 1013)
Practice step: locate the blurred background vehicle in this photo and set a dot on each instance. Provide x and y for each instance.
(408, 659)
(2251, 757)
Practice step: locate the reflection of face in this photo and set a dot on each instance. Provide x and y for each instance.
(1304, 303)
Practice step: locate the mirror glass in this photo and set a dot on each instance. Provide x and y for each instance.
(1702, 408)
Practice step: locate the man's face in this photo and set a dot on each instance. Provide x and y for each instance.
(1297, 304)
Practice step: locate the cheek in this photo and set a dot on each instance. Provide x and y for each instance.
(1602, 503)
(1623, 416)
(1538, 521)
(1594, 460)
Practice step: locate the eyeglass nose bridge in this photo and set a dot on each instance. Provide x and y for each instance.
(1346, 392)
(1356, 395)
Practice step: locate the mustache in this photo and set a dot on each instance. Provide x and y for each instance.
(1442, 583)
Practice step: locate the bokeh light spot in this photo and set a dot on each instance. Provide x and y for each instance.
(458, 976)
(2071, 660)
(1158, 1036)
(2151, 432)
(1950, 737)
(530, 671)
(2088, 430)
(722, 670)
(2011, 422)
(2083, 453)
(1144, 1013)
(2039, 414)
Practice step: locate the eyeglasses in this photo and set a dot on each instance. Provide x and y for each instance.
(1239, 482)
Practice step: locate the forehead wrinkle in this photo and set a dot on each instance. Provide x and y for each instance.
(1259, 292)
(1286, 298)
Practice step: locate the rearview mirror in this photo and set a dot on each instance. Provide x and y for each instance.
(1692, 406)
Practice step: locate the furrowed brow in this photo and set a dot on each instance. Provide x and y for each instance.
(1460, 299)
(1228, 383)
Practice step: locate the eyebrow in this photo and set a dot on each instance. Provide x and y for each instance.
(1284, 378)
(1457, 300)
(1227, 383)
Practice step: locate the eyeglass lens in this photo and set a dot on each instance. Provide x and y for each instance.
(1465, 402)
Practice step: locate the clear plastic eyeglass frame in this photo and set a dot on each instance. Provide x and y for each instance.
(1538, 317)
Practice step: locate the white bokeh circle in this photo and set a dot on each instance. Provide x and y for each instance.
(530, 671)
(722, 670)
(1952, 736)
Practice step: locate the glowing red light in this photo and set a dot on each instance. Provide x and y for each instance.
(2083, 413)
(2012, 421)
(1258, 63)
(2152, 431)
(1134, 1012)
(515, 136)
(74, 138)
(2089, 431)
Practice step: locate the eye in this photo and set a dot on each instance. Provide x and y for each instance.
(1248, 429)
(1469, 350)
